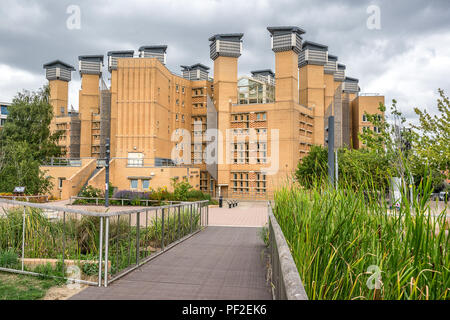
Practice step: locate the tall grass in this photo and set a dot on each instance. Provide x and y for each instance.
(77, 238)
(336, 235)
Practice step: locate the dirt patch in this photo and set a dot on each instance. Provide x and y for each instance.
(63, 292)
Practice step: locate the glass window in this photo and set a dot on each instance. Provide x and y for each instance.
(145, 184)
(364, 118)
(133, 183)
(4, 109)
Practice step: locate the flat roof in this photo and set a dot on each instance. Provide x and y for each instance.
(122, 53)
(59, 63)
(154, 48)
(341, 66)
(264, 72)
(332, 57)
(227, 36)
(196, 66)
(92, 57)
(285, 29)
(349, 79)
(313, 45)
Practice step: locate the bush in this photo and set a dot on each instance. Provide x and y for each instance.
(91, 192)
(9, 259)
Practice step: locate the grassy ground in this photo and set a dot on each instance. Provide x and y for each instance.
(22, 287)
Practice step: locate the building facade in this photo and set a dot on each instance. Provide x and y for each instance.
(229, 135)
(3, 113)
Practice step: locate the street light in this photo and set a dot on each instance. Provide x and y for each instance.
(107, 151)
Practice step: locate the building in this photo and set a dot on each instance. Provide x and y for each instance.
(3, 113)
(229, 135)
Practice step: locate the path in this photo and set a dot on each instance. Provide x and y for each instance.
(220, 262)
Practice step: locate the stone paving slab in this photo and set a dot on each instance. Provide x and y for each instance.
(218, 263)
(246, 214)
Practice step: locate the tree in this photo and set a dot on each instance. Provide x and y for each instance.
(29, 118)
(432, 138)
(313, 167)
(26, 142)
(415, 152)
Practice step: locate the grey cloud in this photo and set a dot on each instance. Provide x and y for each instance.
(34, 32)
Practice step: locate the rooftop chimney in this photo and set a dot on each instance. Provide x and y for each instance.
(286, 38)
(226, 44)
(58, 70)
(350, 85)
(312, 53)
(331, 66)
(113, 55)
(158, 52)
(339, 75)
(195, 72)
(90, 64)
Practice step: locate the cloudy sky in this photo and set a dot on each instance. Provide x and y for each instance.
(406, 58)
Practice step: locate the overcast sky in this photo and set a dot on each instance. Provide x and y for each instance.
(407, 58)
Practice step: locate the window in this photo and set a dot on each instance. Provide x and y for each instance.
(176, 88)
(178, 102)
(62, 110)
(176, 117)
(60, 182)
(133, 184)
(364, 118)
(4, 110)
(145, 184)
(376, 129)
(135, 159)
(182, 89)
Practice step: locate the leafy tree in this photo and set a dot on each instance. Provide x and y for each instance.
(432, 138)
(181, 189)
(26, 141)
(29, 118)
(313, 167)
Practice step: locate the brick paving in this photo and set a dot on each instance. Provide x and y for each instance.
(218, 263)
(248, 214)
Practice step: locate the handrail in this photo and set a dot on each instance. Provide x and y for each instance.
(285, 276)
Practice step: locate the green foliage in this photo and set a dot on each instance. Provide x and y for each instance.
(90, 192)
(26, 141)
(8, 259)
(313, 167)
(420, 151)
(336, 235)
(354, 167)
(264, 235)
(181, 189)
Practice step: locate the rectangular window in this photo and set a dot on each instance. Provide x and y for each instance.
(60, 182)
(364, 118)
(145, 184)
(62, 110)
(133, 184)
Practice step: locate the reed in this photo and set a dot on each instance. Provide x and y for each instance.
(335, 236)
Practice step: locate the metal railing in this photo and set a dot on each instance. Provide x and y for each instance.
(94, 248)
(120, 201)
(27, 198)
(63, 162)
(283, 273)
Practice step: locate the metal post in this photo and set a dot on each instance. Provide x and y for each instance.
(331, 149)
(138, 238)
(146, 231)
(162, 230)
(100, 246)
(64, 242)
(191, 205)
(179, 216)
(23, 237)
(129, 239)
(106, 250)
(107, 151)
(336, 164)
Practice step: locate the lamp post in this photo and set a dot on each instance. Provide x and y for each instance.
(107, 151)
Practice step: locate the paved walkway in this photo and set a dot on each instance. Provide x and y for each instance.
(218, 263)
(246, 214)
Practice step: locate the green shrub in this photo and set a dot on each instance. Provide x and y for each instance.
(9, 259)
